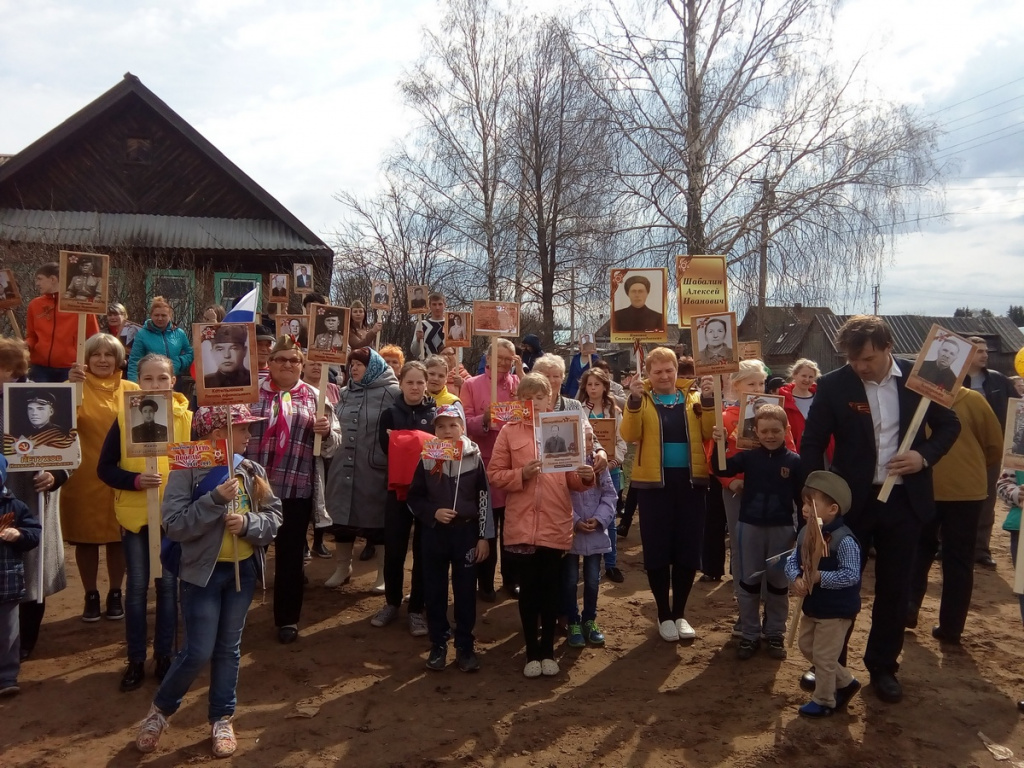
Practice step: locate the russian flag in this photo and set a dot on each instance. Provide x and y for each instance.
(244, 310)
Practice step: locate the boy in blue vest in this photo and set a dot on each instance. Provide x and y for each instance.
(829, 610)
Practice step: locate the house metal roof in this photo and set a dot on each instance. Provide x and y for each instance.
(909, 331)
(86, 228)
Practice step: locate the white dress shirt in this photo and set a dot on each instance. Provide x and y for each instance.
(884, 402)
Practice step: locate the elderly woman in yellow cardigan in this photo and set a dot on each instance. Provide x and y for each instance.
(86, 502)
(670, 474)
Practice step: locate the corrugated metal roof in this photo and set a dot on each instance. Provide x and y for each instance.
(148, 231)
(909, 331)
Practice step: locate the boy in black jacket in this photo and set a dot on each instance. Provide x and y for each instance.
(19, 532)
(453, 504)
(831, 607)
(771, 495)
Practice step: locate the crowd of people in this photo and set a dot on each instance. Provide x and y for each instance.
(798, 514)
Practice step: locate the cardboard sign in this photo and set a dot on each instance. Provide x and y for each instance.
(10, 294)
(941, 366)
(292, 325)
(749, 350)
(746, 434)
(201, 454)
(328, 334)
(639, 305)
(702, 283)
(42, 427)
(457, 328)
(278, 288)
(715, 336)
(442, 450)
(149, 422)
(513, 411)
(561, 444)
(84, 282)
(417, 299)
(606, 434)
(495, 318)
(383, 296)
(227, 370)
(302, 278)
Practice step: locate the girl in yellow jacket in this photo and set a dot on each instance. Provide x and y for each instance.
(670, 474)
(130, 481)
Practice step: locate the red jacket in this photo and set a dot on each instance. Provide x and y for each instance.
(796, 419)
(52, 336)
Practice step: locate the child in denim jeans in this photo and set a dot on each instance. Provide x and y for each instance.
(593, 514)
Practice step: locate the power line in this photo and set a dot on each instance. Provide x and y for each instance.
(991, 117)
(945, 155)
(976, 96)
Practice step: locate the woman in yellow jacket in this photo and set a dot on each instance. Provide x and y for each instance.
(130, 481)
(670, 474)
(87, 505)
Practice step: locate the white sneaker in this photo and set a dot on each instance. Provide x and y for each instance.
(150, 730)
(223, 735)
(668, 631)
(685, 630)
(533, 669)
(549, 667)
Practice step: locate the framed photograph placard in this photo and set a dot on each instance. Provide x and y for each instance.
(703, 286)
(746, 433)
(561, 441)
(382, 296)
(227, 369)
(278, 288)
(10, 294)
(941, 366)
(749, 350)
(302, 278)
(328, 334)
(457, 328)
(639, 305)
(84, 282)
(42, 427)
(292, 325)
(495, 318)
(715, 336)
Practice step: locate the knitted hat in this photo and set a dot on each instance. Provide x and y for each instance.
(833, 486)
(362, 354)
(211, 417)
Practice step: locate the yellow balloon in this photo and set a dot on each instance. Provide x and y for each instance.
(1018, 362)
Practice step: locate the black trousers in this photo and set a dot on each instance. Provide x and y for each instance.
(398, 522)
(30, 619)
(715, 530)
(893, 530)
(958, 523)
(485, 571)
(629, 508)
(540, 580)
(443, 547)
(288, 560)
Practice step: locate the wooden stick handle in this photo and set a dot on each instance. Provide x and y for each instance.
(80, 357)
(719, 421)
(908, 440)
(153, 520)
(13, 320)
(321, 405)
(794, 622)
(494, 370)
(1018, 577)
(41, 502)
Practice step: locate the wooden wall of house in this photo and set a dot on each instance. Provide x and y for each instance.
(818, 348)
(130, 160)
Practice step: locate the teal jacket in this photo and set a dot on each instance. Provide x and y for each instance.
(171, 342)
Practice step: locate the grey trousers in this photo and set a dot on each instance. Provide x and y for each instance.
(732, 518)
(755, 544)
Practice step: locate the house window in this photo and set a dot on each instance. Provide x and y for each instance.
(178, 287)
(229, 287)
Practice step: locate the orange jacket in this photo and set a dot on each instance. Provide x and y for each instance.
(52, 336)
(538, 512)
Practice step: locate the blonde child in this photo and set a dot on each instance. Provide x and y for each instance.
(437, 381)
(538, 524)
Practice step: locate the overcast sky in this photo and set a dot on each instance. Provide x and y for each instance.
(301, 95)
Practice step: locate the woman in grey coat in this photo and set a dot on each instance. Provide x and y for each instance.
(357, 508)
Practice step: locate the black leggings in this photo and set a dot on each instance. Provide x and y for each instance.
(539, 591)
(681, 580)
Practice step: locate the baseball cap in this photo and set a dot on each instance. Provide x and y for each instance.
(211, 417)
(451, 411)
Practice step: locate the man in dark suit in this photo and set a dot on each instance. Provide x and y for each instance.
(867, 409)
(940, 370)
(302, 279)
(149, 431)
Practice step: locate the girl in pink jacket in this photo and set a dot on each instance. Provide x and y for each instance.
(538, 524)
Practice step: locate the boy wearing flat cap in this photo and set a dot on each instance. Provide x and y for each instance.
(832, 601)
(229, 347)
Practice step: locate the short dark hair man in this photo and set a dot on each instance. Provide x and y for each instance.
(149, 431)
(940, 370)
(865, 406)
(229, 347)
(637, 316)
(40, 408)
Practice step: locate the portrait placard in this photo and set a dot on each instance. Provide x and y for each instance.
(746, 433)
(495, 318)
(383, 296)
(42, 427)
(328, 334)
(1013, 439)
(587, 344)
(457, 328)
(716, 344)
(605, 432)
(226, 365)
(302, 278)
(560, 441)
(292, 325)
(84, 282)
(749, 350)
(639, 305)
(513, 411)
(199, 454)
(150, 422)
(417, 298)
(941, 366)
(278, 290)
(703, 287)
(10, 294)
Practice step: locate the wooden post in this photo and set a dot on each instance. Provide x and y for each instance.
(908, 440)
(234, 503)
(153, 520)
(719, 422)
(14, 324)
(494, 369)
(321, 405)
(80, 357)
(41, 502)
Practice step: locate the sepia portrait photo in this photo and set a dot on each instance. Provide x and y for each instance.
(716, 343)
(84, 284)
(328, 334)
(457, 328)
(150, 422)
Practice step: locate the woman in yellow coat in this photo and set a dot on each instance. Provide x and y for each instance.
(86, 502)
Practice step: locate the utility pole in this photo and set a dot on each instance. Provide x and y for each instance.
(572, 306)
(876, 298)
(767, 203)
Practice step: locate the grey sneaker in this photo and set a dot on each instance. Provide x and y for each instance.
(384, 616)
(418, 625)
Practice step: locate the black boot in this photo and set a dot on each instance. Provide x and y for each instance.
(133, 676)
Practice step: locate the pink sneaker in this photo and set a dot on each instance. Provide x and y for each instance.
(224, 741)
(151, 729)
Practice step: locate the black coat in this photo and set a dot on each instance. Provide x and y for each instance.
(841, 410)
(998, 391)
(401, 415)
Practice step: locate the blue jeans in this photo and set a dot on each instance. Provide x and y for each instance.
(10, 644)
(1014, 538)
(136, 560)
(214, 618)
(591, 583)
(42, 374)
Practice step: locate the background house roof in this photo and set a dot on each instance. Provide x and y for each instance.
(909, 331)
